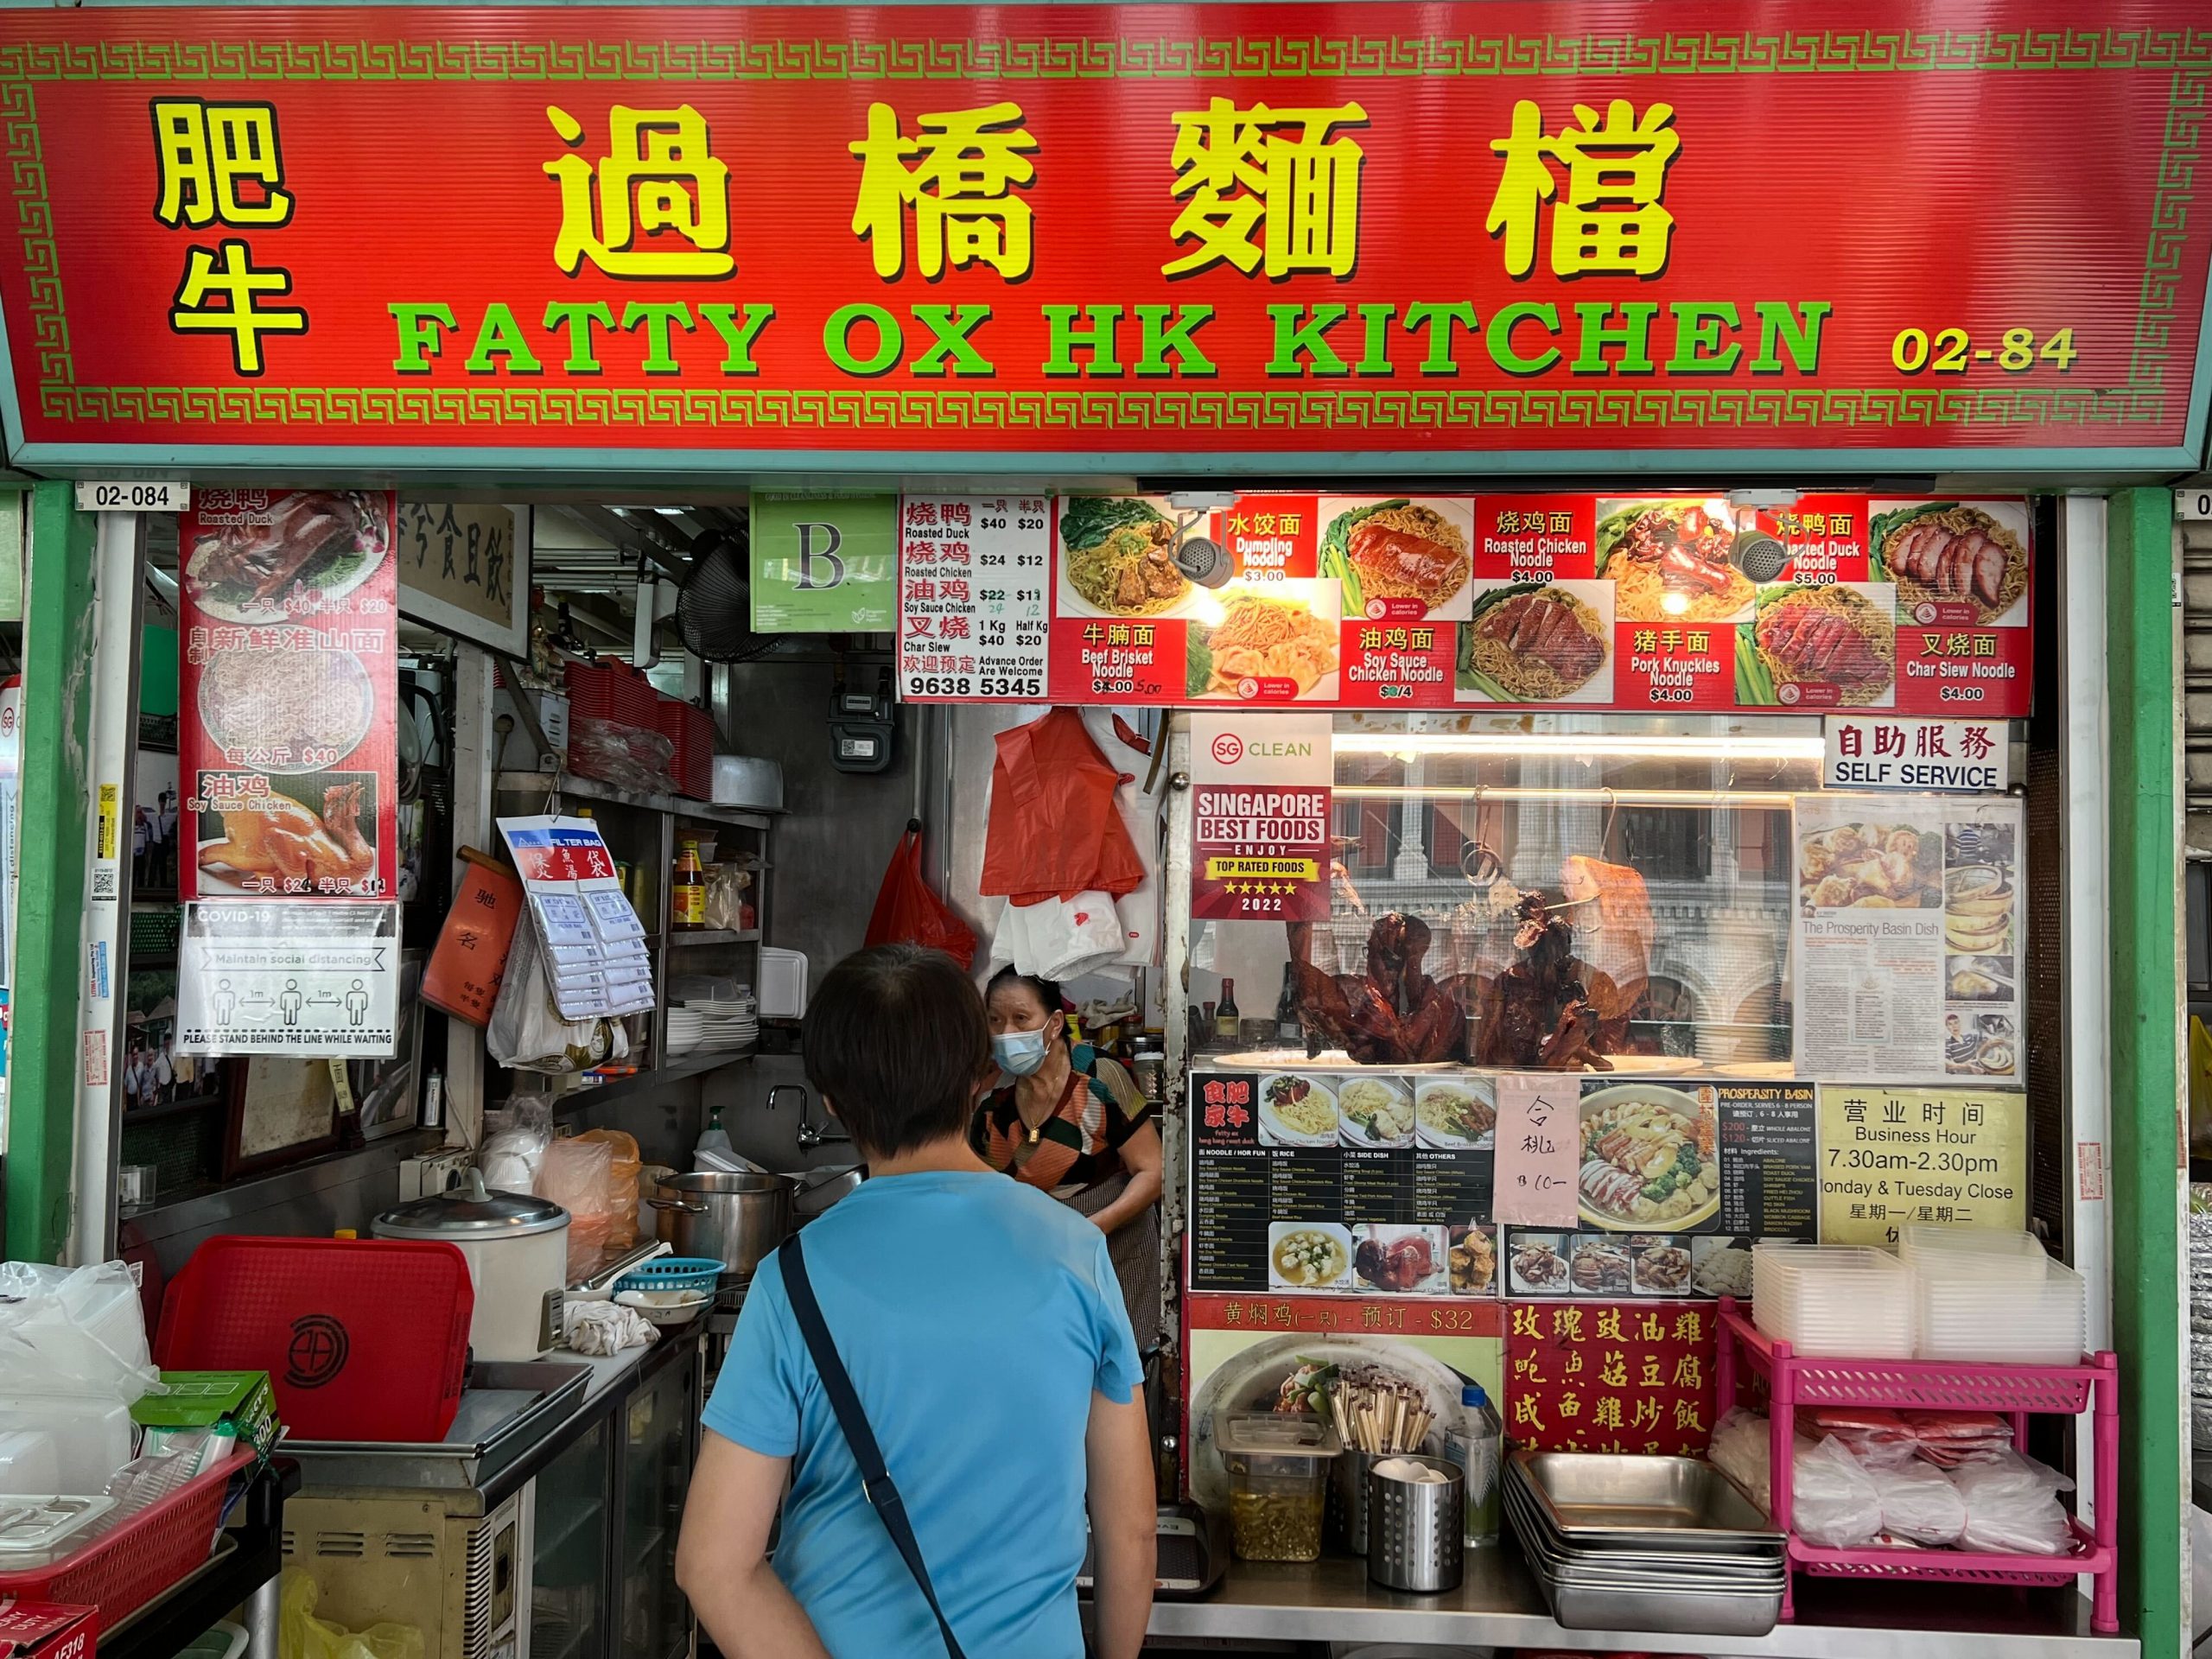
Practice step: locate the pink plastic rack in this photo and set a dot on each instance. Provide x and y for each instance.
(2017, 1391)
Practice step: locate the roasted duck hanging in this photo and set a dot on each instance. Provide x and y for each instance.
(1550, 1010)
(1394, 1015)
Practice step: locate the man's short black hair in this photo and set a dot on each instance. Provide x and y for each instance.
(897, 1041)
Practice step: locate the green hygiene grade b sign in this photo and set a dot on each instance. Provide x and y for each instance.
(825, 564)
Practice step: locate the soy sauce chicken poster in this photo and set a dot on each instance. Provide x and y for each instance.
(285, 742)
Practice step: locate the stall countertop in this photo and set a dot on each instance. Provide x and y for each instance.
(1499, 1604)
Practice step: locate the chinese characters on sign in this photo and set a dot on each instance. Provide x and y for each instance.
(973, 614)
(1891, 1157)
(1539, 1150)
(790, 239)
(1609, 1376)
(465, 567)
(595, 962)
(219, 165)
(1957, 756)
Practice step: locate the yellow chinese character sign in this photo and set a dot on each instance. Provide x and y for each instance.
(965, 164)
(1276, 175)
(1609, 220)
(662, 200)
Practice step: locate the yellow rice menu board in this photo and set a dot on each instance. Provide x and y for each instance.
(1893, 1156)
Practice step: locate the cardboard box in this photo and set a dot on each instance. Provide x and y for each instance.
(46, 1629)
(243, 1400)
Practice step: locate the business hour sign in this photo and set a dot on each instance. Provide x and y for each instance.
(1347, 234)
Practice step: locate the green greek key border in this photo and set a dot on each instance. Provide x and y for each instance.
(1094, 410)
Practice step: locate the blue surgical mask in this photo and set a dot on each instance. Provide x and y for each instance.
(1018, 1052)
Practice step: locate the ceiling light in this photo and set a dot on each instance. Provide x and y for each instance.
(1581, 746)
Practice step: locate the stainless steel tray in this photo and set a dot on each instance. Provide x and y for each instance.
(1597, 1498)
(1673, 1612)
(507, 1408)
(1671, 1577)
(1756, 1566)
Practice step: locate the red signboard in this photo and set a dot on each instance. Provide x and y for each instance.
(1458, 236)
(1610, 1377)
(286, 745)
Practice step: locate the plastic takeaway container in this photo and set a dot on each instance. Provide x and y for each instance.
(1278, 1479)
(1840, 1301)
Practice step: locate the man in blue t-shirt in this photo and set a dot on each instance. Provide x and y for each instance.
(983, 1329)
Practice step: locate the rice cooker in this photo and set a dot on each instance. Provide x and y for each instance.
(517, 1247)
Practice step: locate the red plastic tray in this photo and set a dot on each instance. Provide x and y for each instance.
(363, 1339)
(121, 1571)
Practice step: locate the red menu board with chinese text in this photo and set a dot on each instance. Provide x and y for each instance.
(1610, 1377)
(289, 695)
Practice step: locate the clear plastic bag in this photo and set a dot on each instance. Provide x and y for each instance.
(2013, 1507)
(1833, 1500)
(301, 1635)
(577, 1175)
(1740, 1451)
(625, 755)
(79, 1331)
(514, 1150)
(1919, 1503)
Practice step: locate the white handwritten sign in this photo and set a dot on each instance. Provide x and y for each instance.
(1539, 1148)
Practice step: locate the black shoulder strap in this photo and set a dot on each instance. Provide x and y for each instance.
(875, 1480)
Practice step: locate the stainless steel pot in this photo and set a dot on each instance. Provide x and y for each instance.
(820, 1188)
(733, 1218)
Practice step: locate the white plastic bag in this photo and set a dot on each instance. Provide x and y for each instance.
(2013, 1507)
(1919, 1503)
(527, 1032)
(79, 1331)
(1833, 1502)
(1741, 1451)
(1060, 939)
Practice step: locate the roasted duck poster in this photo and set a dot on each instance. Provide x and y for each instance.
(1907, 946)
(285, 741)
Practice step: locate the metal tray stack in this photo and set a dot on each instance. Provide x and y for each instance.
(1633, 1543)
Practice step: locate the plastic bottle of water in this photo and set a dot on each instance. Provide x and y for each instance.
(1478, 1446)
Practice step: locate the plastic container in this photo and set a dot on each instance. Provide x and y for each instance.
(1477, 1444)
(1278, 1467)
(1832, 1300)
(89, 1439)
(29, 1462)
(1963, 1311)
(2001, 1252)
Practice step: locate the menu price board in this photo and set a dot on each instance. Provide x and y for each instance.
(290, 693)
(1610, 1377)
(1319, 1181)
(1671, 604)
(973, 614)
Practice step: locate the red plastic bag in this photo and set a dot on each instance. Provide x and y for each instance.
(1055, 829)
(907, 912)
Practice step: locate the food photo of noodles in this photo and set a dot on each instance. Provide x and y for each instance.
(1819, 646)
(1414, 551)
(1670, 561)
(1539, 642)
(1271, 644)
(286, 711)
(1951, 554)
(1118, 557)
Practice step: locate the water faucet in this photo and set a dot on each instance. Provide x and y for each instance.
(811, 1134)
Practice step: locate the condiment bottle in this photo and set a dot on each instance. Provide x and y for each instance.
(1225, 1012)
(687, 900)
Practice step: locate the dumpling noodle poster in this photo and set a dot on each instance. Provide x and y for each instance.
(290, 693)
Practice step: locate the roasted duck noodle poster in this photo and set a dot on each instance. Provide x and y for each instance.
(290, 689)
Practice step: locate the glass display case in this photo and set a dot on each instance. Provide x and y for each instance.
(568, 1591)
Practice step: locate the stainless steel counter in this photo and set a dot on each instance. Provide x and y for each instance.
(1499, 1604)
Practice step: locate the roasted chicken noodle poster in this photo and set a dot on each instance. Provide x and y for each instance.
(291, 687)
(1664, 604)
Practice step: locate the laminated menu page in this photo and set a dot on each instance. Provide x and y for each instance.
(1906, 937)
(595, 958)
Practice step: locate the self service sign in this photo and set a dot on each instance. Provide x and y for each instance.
(1887, 752)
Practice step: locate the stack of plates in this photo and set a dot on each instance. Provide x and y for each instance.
(711, 1027)
(1631, 1543)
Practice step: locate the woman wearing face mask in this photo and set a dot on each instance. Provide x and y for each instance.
(1073, 1121)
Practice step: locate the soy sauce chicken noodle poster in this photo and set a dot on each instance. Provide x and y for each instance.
(1907, 939)
(289, 692)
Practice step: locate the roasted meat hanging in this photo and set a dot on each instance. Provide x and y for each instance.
(1393, 1015)
(1549, 1010)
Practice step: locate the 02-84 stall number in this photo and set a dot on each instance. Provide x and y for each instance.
(167, 496)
